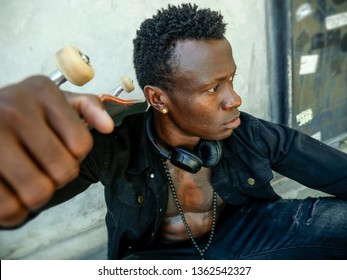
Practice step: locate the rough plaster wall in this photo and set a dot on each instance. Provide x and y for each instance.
(32, 31)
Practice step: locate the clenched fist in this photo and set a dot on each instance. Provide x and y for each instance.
(43, 139)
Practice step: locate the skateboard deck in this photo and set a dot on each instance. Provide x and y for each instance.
(119, 108)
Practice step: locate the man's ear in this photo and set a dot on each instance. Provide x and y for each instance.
(156, 97)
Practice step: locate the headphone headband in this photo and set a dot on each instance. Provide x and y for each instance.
(161, 152)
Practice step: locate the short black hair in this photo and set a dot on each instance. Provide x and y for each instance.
(157, 37)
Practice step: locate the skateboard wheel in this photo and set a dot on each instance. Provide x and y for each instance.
(127, 84)
(74, 65)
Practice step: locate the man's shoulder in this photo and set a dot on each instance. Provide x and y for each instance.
(130, 124)
(246, 117)
(248, 122)
(253, 128)
(125, 138)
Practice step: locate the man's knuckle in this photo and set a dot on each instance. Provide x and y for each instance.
(87, 144)
(38, 84)
(73, 171)
(83, 146)
(9, 114)
(38, 194)
(68, 174)
(14, 220)
(9, 208)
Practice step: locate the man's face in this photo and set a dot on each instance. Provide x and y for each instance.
(203, 102)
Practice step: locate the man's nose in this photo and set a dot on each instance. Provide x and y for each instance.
(231, 99)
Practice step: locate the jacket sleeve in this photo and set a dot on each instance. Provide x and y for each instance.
(302, 158)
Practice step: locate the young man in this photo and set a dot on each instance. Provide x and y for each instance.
(190, 178)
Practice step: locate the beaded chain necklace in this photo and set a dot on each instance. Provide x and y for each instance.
(180, 211)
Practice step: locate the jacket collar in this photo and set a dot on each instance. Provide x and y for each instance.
(144, 157)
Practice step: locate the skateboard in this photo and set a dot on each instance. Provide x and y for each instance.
(74, 66)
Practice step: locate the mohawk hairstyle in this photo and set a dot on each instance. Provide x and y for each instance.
(157, 37)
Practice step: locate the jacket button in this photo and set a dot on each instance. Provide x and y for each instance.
(250, 181)
(140, 199)
(152, 175)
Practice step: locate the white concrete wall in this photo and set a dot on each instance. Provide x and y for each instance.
(32, 31)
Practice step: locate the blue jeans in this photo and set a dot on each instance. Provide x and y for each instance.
(313, 228)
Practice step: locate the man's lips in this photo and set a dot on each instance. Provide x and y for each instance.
(234, 123)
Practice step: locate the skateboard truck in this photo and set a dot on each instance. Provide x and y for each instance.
(73, 66)
(119, 108)
(126, 84)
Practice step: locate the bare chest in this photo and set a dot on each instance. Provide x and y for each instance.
(194, 191)
(195, 197)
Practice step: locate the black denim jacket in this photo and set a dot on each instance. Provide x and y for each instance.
(136, 190)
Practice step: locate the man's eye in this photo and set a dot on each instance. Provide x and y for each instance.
(212, 90)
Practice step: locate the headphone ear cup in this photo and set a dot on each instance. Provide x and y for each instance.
(186, 160)
(210, 152)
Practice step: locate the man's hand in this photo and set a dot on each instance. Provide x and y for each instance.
(43, 139)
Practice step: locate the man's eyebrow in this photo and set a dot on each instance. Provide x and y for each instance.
(206, 83)
(232, 74)
(223, 77)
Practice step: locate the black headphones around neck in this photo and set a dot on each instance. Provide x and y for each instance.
(208, 153)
